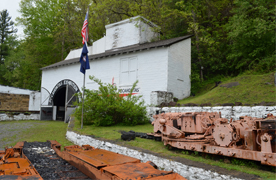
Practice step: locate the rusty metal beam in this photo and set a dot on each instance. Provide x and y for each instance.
(102, 164)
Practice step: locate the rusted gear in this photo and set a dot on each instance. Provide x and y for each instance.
(223, 135)
(205, 122)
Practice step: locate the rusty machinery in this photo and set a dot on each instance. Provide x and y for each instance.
(246, 138)
(95, 163)
(15, 165)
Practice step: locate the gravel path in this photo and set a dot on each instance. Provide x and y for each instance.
(12, 132)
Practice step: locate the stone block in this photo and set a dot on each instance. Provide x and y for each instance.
(207, 108)
(270, 108)
(237, 109)
(217, 108)
(195, 109)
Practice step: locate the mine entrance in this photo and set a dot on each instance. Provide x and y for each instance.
(63, 100)
(59, 102)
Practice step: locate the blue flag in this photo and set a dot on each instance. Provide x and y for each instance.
(84, 59)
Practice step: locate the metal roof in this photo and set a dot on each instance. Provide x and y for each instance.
(123, 50)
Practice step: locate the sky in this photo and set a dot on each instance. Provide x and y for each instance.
(13, 6)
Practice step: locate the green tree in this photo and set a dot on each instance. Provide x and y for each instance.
(70, 15)
(6, 30)
(8, 42)
(160, 12)
(13, 65)
(52, 29)
(251, 35)
(206, 20)
(13, 43)
(39, 48)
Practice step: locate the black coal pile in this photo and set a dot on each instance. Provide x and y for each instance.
(48, 164)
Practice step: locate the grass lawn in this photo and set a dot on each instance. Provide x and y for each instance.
(251, 89)
(35, 131)
(112, 133)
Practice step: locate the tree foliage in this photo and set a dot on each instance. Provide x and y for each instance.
(50, 30)
(7, 42)
(161, 12)
(6, 30)
(106, 107)
(230, 36)
(251, 35)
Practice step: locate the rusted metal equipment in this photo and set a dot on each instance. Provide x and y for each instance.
(94, 163)
(247, 138)
(15, 165)
(102, 164)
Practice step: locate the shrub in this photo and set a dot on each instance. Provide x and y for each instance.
(106, 107)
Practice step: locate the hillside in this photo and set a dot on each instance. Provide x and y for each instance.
(247, 89)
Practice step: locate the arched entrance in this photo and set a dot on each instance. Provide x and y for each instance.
(62, 99)
(59, 103)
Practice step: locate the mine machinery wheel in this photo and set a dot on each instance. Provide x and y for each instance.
(223, 135)
(205, 123)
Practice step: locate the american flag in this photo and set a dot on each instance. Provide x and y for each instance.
(84, 31)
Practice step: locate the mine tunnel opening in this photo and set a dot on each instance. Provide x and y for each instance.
(59, 100)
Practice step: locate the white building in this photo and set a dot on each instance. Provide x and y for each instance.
(130, 51)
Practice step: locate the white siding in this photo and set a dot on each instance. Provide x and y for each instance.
(98, 46)
(77, 52)
(50, 77)
(128, 71)
(147, 33)
(124, 35)
(151, 64)
(129, 32)
(179, 69)
(34, 101)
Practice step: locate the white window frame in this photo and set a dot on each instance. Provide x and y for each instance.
(128, 70)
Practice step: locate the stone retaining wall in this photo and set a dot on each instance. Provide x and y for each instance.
(16, 102)
(7, 116)
(228, 112)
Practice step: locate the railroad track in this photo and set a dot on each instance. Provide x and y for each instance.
(48, 164)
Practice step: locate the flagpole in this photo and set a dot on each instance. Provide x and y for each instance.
(82, 100)
(86, 38)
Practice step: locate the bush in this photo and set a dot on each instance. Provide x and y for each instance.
(106, 107)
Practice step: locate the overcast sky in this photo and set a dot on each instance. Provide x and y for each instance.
(12, 6)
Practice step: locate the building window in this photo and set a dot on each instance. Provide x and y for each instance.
(128, 71)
